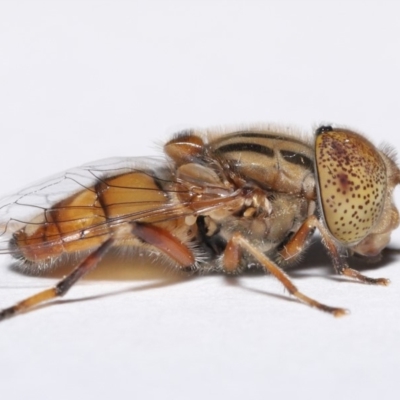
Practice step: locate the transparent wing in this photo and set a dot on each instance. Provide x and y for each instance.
(161, 199)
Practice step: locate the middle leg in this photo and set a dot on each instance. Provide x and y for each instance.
(233, 254)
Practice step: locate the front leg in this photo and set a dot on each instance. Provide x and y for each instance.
(231, 259)
(297, 243)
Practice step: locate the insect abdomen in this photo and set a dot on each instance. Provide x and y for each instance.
(78, 223)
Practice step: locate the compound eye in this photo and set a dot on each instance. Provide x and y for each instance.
(351, 183)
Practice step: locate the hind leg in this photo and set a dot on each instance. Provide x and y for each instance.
(62, 287)
(155, 236)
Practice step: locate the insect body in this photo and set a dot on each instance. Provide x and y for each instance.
(218, 203)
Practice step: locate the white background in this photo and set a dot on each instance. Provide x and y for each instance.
(85, 80)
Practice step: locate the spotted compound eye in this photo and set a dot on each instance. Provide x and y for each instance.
(351, 182)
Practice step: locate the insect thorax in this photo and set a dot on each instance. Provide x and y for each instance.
(271, 175)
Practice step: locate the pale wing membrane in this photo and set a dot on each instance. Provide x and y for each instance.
(36, 205)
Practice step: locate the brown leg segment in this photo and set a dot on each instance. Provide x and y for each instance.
(62, 287)
(153, 235)
(164, 241)
(297, 242)
(238, 241)
(232, 256)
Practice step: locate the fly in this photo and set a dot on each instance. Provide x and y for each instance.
(215, 203)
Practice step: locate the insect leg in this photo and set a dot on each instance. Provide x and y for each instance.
(238, 242)
(62, 287)
(297, 242)
(164, 241)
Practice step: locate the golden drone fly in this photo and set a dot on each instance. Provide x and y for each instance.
(221, 203)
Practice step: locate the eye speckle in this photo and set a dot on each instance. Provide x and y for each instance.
(349, 166)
